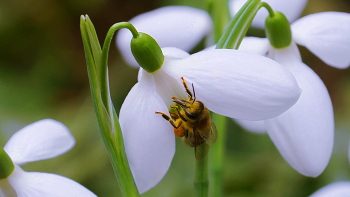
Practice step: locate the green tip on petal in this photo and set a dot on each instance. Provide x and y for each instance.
(147, 52)
(278, 31)
(6, 164)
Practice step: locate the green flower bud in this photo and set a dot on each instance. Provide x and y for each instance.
(278, 31)
(147, 52)
(6, 164)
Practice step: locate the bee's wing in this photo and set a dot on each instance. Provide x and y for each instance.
(211, 135)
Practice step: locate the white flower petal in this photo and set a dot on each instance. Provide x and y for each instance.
(168, 87)
(237, 84)
(174, 53)
(291, 8)
(40, 184)
(173, 26)
(326, 34)
(336, 189)
(40, 140)
(304, 134)
(255, 45)
(149, 139)
(253, 126)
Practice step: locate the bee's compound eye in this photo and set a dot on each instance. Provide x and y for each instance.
(191, 115)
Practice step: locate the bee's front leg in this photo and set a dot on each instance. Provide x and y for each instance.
(176, 124)
(186, 88)
(178, 113)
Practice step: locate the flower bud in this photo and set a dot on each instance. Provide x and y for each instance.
(278, 31)
(6, 164)
(147, 52)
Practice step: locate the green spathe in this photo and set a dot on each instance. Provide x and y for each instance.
(278, 31)
(147, 52)
(6, 164)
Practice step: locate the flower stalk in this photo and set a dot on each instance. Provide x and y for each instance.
(220, 15)
(201, 182)
(96, 60)
(238, 26)
(217, 155)
(231, 38)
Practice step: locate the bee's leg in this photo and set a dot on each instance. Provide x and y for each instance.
(180, 131)
(178, 113)
(186, 87)
(176, 124)
(174, 116)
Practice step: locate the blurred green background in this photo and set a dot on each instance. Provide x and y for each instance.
(43, 75)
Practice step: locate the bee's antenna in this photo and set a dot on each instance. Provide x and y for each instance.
(194, 94)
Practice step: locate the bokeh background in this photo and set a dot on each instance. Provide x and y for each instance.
(43, 75)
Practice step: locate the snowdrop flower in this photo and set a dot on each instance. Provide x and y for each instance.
(172, 26)
(304, 133)
(40, 140)
(336, 189)
(228, 82)
(290, 8)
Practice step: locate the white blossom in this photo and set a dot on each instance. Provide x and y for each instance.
(40, 140)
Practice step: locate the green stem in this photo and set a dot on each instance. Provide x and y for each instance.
(238, 26)
(219, 12)
(217, 155)
(103, 70)
(268, 8)
(106, 116)
(201, 182)
(230, 39)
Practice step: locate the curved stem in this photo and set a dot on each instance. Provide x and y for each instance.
(268, 8)
(106, 116)
(103, 71)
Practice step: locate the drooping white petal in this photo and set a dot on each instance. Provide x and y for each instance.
(291, 8)
(255, 45)
(336, 189)
(149, 139)
(253, 126)
(326, 34)
(174, 53)
(304, 134)
(172, 26)
(40, 140)
(168, 87)
(237, 84)
(40, 184)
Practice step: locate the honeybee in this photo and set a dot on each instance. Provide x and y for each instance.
(192, 122)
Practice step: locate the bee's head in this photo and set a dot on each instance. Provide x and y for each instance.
(193, 110)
